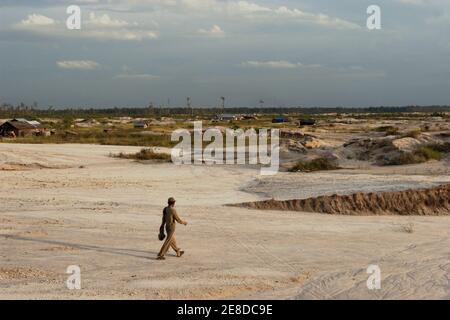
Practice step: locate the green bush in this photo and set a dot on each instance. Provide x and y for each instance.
(412, 134)
(428, 153)
(443, 148)
(420, 155)
(144, 154)
(389, 130)
(318, 164)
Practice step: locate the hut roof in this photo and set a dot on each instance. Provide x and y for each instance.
(20, 125)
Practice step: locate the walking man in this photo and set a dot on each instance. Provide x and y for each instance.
(170, 218)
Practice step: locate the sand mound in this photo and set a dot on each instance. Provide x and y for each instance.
(434, 201)
(383, 150)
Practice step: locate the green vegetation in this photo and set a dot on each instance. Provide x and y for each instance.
(412, 134)
(442, 148)
(123, 137)
(389, 130)
(428, 153)
(318, 164)
(144, 154)
(420, 155)
(392, 132)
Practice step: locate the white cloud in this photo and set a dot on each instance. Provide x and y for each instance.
(35, 19)
(354, 71)
(214, 32)
(77, 64)
(282, 14)
(128, 35)
(253, 11)
(144, 76)
(100, 27)
(112, 26)
(237, 9)
(280, 64)
(441, 4)
(415, 2)
(105, 21)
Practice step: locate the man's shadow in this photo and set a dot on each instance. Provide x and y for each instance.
(118, 251)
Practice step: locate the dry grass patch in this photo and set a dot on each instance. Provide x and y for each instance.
(412, 134)
(408, 228)
(144, 154)
(319, 164)
(420, 155)
(388, 130)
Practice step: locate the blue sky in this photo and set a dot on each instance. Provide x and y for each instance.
(287, 53)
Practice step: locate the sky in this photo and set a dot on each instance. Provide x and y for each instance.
(286, 53)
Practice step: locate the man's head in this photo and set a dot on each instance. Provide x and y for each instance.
(171, 201)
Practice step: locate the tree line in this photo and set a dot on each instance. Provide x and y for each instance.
(33, 111)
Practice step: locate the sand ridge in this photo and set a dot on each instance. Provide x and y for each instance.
(432, 201)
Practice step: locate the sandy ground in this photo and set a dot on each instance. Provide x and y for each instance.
(74, 205)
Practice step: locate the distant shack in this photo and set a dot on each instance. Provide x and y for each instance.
(32, 122)
(18, 128)
(228, 117)
(140, 124)
(249, 117)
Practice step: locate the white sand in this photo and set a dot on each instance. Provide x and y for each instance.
(105, 217)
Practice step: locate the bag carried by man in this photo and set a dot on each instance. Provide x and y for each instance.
(161, 235)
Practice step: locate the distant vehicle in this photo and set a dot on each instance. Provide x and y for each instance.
(307, 122)
(280, 120)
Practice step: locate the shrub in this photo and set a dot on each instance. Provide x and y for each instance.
(428, 153)
(389, 130)
(392, 132)
(412, 134)
(443, 148)
(318, 164)
(408, 228)
(403, 159)
(144, 154)
(420, 155)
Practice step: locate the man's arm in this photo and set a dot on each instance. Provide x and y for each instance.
(161, 228)
(177, 218)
